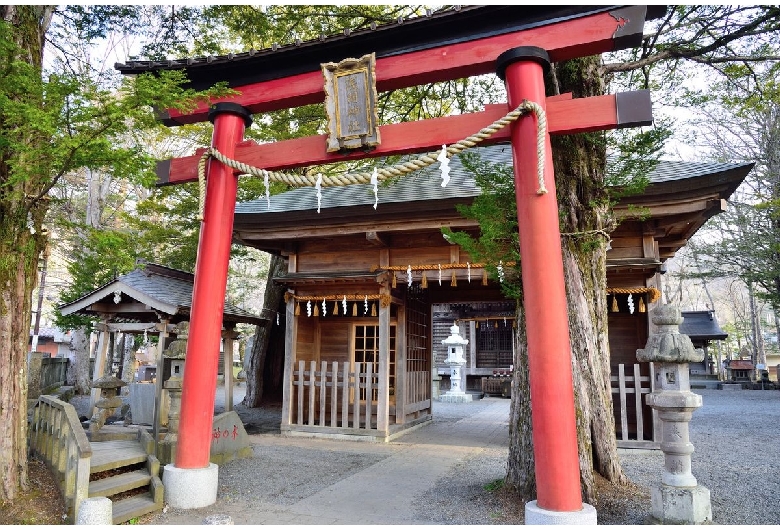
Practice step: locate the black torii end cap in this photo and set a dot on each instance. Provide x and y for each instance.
(522, 53)
(232, 108)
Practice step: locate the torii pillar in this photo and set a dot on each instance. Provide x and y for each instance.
(559, 500)
(191, 482)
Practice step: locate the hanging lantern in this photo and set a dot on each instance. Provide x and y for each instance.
(354, 309)
(642, 308)
(297, 309)
(373, 310)
(335, 309)
(316, 310)
(615, 304)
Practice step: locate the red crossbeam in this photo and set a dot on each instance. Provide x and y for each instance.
(589, 35)
(564, 116)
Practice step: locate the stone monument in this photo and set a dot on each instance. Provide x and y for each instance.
(679, 499)
(455, 361)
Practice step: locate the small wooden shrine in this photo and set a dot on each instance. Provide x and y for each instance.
(363, 282)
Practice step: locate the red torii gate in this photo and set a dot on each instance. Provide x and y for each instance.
(519, 55)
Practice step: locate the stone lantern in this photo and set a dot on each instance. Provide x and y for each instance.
(455, 361)
(174, 356)
(679, 499)
(105, 407)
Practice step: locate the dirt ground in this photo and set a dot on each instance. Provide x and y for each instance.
(42, 504)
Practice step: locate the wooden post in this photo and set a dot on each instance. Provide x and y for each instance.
(229, 335)
(549, 349)
(208, 293)
(289, 357)
(383, 390)
(401, 373)
(162, 327)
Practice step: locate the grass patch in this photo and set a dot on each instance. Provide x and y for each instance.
(494, 486)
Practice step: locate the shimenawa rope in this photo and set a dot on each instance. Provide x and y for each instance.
(384, 173)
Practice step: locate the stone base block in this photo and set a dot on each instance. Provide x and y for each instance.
(536, 516)
(95, 510)
(455, 398)
(681, 505)
(190, 488)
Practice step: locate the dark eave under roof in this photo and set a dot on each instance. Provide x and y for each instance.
(459, 24)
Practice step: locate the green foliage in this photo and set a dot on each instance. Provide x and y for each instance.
(494, 486)
(633, 155)
(495, 209)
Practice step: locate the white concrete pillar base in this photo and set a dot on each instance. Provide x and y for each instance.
(535, 515)
(190, 488)
(95, 511)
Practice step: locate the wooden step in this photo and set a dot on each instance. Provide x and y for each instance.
(107, 487)
(115, 454)
(131, 507)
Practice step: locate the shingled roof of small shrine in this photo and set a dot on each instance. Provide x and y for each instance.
(425, 185)
(161, 289)
(701, 325)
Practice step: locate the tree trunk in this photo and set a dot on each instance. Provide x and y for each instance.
(258, 357)
(21, 243)
(79, 354)
(579, 162)
(129, 362)
(520, 474)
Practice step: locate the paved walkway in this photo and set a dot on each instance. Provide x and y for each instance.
(368, 483)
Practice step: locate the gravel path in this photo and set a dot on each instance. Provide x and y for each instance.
(735, 435)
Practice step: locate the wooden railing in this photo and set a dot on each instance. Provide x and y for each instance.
(57, 437)
(418, 391)
(335, 397)
(631, 389)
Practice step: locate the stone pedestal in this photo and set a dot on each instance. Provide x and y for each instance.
(678, 499)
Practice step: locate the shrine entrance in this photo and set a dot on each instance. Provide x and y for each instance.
(514, 42)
